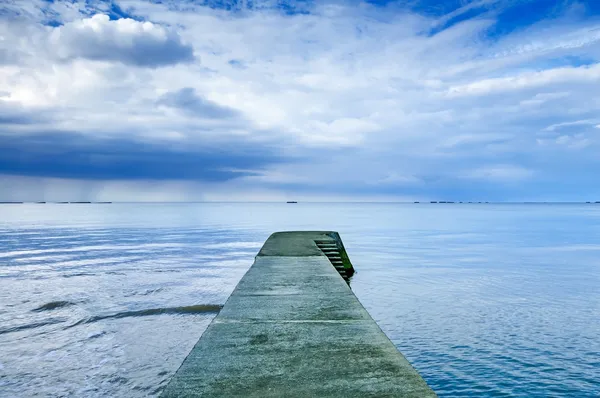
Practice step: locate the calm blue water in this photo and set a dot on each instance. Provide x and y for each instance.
(484, 300)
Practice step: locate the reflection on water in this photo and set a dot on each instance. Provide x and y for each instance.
(484, 300)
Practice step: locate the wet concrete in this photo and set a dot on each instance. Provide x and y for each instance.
(293, 328)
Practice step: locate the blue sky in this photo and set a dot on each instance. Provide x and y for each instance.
(493, 100)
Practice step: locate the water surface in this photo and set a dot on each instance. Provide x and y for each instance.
(103, 300)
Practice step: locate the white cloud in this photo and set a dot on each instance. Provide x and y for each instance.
(358, 90)
(541, 98)
(559, 126)
(501, 173)
(394, 178)
(566, 39)
(470, 139)
(343, 131)
(125, 40)
(573, 142)
(572, 75)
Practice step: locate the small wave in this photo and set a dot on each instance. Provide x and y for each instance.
(31, 325)
(146, 292)
(53, 305)
(96, 335)
(78, 274)
(191, 309)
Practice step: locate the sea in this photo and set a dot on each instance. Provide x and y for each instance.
(484, 300)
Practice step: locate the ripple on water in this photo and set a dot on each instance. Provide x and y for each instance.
(485, 301)
(53, 305)
(185, 310)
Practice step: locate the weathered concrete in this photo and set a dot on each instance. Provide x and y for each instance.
(295, 244)
(293, 328)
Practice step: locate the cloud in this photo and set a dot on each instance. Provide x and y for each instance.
(187, 100)
(387, 100)
(502, 173)
(576, 123)
(15, 114)
(71, 155)
(52, 189)
(541, 98)
(580, 75)
(394, 178)
(125, 40)
(574, 142)
(568, 40)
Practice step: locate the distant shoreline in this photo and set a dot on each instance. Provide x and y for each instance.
(309, 202)
(57, 203)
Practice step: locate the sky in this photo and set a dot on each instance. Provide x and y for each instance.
(266, 100)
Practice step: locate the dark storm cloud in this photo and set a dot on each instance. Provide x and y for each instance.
(71, 155)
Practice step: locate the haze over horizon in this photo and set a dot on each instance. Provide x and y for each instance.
(482, 100)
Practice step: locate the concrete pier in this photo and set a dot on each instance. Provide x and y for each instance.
(293, 328)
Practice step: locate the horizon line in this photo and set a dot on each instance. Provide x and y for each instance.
(299, 202)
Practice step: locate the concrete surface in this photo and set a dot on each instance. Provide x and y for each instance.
(293, 328)
(296, 244)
